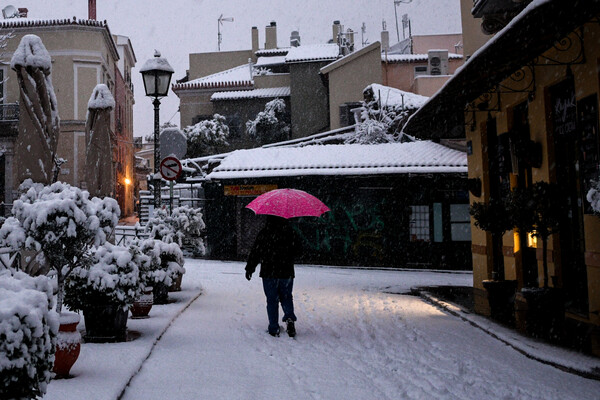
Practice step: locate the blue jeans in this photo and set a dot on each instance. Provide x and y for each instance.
(279, 291)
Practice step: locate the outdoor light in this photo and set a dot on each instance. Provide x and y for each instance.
(127, 181)
(156, 73)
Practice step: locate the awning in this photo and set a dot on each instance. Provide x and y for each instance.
(528, 35)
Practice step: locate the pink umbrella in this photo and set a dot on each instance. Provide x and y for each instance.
(288, 203)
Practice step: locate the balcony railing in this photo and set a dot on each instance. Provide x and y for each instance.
(9, 112)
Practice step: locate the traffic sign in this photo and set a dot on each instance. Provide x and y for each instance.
(170, 168)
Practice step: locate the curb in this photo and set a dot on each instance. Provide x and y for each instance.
(466, 316)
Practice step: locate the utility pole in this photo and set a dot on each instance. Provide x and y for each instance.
(396, 4)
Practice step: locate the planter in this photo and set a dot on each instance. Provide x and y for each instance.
(143, 304)
(176, 285)
(105, 323)
(540, 313)
(501, 297)
(68, 344)
(161, 293)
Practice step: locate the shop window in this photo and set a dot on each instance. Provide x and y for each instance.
(587, 120)
(419, 224)
(460, 223)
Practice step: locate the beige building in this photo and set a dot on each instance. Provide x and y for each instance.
(84, 53)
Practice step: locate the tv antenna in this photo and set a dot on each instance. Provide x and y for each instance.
(363, 31)
(396, 4)
(219, 23)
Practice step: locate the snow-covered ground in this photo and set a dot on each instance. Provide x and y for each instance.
(356, 340)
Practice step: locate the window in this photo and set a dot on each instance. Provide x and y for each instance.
(420, 70)
(419, 224)
(460, 223)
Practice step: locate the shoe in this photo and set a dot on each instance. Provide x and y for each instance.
(291, 328)
(275, 334)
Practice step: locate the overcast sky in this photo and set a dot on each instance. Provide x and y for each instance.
(180, 27)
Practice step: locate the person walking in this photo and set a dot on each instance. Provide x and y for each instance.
(275, 249)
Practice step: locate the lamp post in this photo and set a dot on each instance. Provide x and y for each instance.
(156, 73)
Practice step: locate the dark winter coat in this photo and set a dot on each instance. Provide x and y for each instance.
(274, 249)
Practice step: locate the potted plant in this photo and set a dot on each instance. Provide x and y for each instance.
(58, 224)
(28, 329)
(538, 208)
(143, 303)
(494, 217)
(166, 264)
(183, 226)
(104, 291)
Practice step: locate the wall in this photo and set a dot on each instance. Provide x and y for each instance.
(271, 81)
(349, 77)
(472, 34)
(423, 43)
(309, 103)
(193, 103)
(401, 75)
(204, 64)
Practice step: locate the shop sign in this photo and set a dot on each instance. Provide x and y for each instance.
(247, 190)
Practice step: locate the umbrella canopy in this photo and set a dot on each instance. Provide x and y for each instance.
(288, 203)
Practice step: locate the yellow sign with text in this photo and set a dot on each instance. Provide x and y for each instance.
(247, 190)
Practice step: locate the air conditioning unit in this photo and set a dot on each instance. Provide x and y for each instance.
(438, 62)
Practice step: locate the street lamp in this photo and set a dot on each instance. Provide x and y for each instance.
(156, 73)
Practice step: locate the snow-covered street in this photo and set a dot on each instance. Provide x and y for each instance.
(356, 340)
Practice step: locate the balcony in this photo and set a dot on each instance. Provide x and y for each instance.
(9, 119)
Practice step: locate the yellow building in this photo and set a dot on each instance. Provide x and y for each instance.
(84, 53)
(528, 103)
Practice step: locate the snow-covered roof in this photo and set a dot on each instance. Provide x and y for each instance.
(395, 97)
(240, 76)
(17, 23)
(355, 159)
(313, 52)
(273, 60)
(407, 58)
(252, 94)
(280, 51)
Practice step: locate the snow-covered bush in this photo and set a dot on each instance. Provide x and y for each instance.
(593, 196)
(371, 131)
(28, 330)
(270, 125)
(166, 262)
(112, 278)
(205, 137)
(61, 223)
(184, 226)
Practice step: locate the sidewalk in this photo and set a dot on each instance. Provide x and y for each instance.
(564, 359)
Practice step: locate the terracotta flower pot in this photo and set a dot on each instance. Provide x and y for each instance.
(176, 285)
(68, 344)
(143, 304)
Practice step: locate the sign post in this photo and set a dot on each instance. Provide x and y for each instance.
(170, 169)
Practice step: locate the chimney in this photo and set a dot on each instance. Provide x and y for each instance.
(295, 39)
(271, 36)
(385, 40)
(254, 40)
(337, 29)
(23, 12)
(91, 9)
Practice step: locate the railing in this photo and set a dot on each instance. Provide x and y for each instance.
(9, 112)
(124, 234)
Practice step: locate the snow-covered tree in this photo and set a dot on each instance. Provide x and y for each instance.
(205, 137)
(184, 226)
(28, 330)
(61, 223)
(593, 196)
(270, 125)
(113, 277)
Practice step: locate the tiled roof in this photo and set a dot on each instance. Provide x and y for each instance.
(313, 52)
(281, 51)
(238, 77)
(252, 94)
(270, 60)
(389, 96)
(407, 58)
(355, 159)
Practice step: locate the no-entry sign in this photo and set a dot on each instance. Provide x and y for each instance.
(170, 168)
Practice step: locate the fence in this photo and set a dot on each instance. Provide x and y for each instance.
(124, 234)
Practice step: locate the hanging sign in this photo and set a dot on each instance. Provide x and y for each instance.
(170, 168)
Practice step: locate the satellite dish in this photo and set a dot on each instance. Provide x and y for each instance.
(172, 142)
(10, 12)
